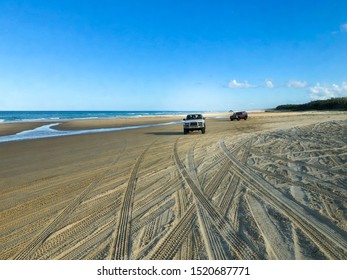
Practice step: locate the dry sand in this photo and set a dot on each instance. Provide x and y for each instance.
(271, 187)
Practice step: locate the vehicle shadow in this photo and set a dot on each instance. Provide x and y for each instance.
(169, 133)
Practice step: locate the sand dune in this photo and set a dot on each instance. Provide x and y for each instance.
(271, 187)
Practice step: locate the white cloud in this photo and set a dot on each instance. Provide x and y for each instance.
(343, 27)
(297, 84)
(235, 84)
(269, 84)
(325, 92)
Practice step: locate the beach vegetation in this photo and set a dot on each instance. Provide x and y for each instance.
(329, 104)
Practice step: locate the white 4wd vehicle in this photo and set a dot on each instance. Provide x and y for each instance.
(194, 122)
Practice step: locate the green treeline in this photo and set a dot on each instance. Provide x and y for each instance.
(329, 104)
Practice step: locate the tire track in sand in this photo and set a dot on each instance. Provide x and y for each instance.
(238, 245)
(35, 243)
(275, 245)
(213, 244)
(174, 239)
(120, 248)
(170, 245)
(320, 191)
(330, 242)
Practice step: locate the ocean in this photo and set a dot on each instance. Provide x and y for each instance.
(20, 116)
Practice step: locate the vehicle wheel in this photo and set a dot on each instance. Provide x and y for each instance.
(245, 118)
(238, 119)
(203, 131)
(185, 131)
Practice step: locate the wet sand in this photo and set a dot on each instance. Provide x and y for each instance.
(271, 187)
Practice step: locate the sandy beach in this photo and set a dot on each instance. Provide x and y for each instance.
(271, 187)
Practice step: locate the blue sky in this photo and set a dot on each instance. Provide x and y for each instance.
(170, 54)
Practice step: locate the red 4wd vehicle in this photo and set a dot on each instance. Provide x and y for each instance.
(239, 115)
